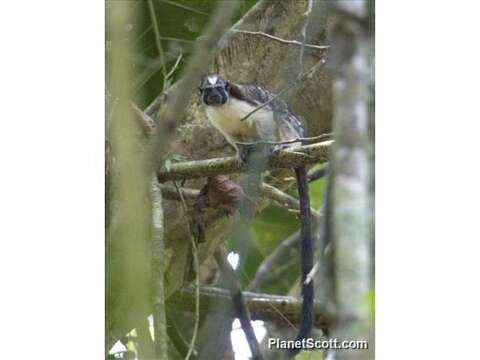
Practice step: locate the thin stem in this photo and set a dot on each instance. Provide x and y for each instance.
(300, 77)
(185, 7)
(283, 41)
(158, 42)
(191, 348)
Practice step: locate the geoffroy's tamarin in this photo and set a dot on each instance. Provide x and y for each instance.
(229, 107)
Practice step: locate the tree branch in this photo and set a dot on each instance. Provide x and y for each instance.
(271, 260)
(158, 270)
(266, 190)
(317, 174)
(266, 307)
(294, 156)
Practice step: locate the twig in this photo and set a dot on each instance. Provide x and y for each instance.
(295, 156)
(266, 307)
(282, 198)
(300, 77)
(157, 102)
(158, 270)
(283, 41)
(317, 174)
(303, 140)
(266, 191)
(176, 338)
(311, 274)
(304, 33)
(196, 266)
(184, 7)
(239, 304)
(146, 122)
(170, 193)
(174, 67)
(158, 42)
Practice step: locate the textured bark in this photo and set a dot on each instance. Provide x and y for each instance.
(352, 169)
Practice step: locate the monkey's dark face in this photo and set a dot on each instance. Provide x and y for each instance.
(214, 91)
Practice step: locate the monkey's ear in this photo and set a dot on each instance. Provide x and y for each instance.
(227, 86)
(200, 89)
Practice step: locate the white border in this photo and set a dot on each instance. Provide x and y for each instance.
(51, 192)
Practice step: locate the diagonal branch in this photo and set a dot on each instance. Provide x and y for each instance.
(300, 77)
(271, 260)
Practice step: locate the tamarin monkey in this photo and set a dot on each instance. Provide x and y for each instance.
(227, 104)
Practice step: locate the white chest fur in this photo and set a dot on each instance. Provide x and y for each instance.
(226, 118)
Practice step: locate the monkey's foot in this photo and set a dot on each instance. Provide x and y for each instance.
(249, 152)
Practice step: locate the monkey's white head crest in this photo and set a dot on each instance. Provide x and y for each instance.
(212, 79)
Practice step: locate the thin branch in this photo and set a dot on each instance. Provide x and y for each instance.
(283, 41)
(306, 15)
(170, 193)
(266, 307)
(182, 6)
(239, 303)
(303, 140)
(294, 156)
(149, 126)
(146, 122)
(169, 38)
(158, 270)
(274, 258)
(176, 337)
(266, 191)
(317, 174)
(174, 67)
(157, 102)
(300, 77)
(311, 274)
(191, 349)
(158, 42)
(285, 200)
(196, 266)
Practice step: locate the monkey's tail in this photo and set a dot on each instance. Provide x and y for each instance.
(306, 256)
